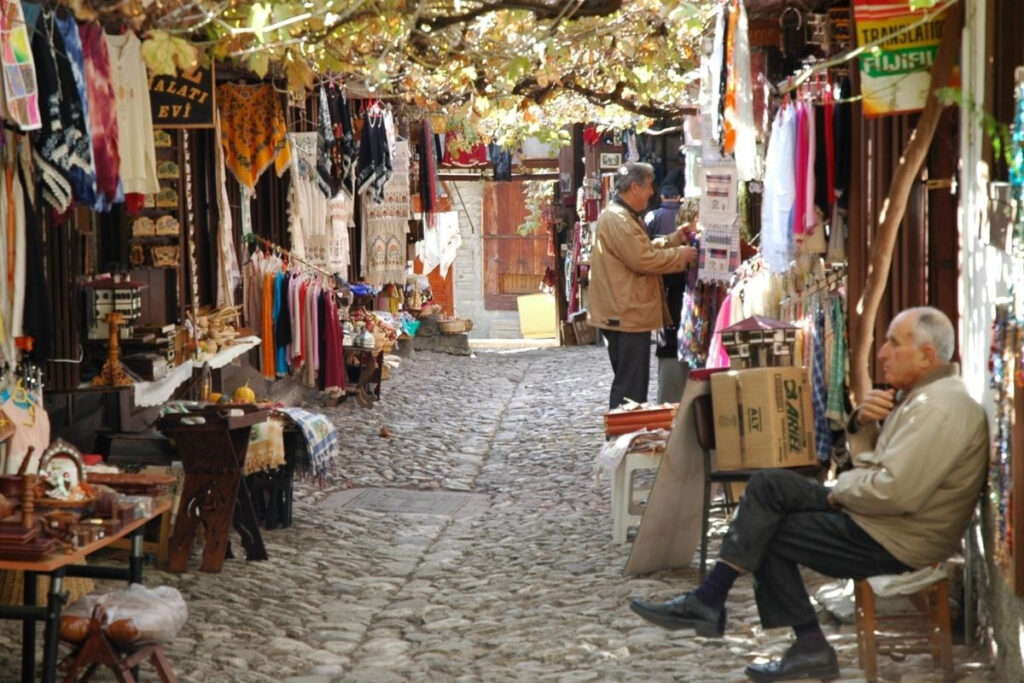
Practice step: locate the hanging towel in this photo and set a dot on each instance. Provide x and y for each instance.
(322, 441)
(386, 224)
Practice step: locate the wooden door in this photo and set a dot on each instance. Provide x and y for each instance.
(514, 264)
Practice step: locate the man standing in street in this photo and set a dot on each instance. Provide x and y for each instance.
(921, 450)
(627, 300)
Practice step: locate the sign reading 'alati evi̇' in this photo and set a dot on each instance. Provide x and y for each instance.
(183, 101)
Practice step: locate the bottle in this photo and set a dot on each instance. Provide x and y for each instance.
(205, 383)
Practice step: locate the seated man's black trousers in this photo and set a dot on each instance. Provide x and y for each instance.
(784, 520)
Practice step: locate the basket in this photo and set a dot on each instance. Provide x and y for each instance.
(164, 256)
(455, 326)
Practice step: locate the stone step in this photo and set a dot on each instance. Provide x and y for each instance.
(506, 328)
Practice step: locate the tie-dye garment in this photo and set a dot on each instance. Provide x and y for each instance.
(83, 175)
(102, 117)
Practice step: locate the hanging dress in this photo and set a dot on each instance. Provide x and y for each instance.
(307, 207)
(134, 116)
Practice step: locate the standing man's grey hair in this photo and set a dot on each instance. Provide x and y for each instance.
(633, 172)
(932, 326)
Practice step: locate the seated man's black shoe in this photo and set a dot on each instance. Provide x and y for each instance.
(820, 663)
(686, 611)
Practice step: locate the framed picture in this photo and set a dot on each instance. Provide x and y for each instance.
(610, 160)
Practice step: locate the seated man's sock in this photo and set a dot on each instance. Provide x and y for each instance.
(809, 637)
(715, 588)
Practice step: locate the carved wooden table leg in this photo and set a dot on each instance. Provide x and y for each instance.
(212, 447)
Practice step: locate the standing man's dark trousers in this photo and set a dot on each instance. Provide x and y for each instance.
(784, 520)
(630, 354)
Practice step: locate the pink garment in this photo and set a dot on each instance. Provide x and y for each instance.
(717, 356)
(800, 202)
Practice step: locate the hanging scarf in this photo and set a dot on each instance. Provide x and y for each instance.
(428, 170)
(253, 130)
(21, 93)
(228, 274)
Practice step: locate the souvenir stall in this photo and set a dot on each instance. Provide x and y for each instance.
(770, 286)
(125, 289)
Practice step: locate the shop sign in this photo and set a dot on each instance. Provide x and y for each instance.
(895, 77)
(184, 100)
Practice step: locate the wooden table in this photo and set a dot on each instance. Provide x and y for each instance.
(57, 566)
(212, 442)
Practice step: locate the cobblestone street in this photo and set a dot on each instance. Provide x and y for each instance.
(517, 580)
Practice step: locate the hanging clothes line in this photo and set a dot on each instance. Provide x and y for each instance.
(250, 237)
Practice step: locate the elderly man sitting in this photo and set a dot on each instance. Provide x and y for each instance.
(920, 456)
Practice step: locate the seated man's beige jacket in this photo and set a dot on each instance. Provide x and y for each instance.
(917, 476)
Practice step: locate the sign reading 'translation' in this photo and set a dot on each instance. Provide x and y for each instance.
(895, 76)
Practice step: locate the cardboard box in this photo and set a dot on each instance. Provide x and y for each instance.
(763, 418)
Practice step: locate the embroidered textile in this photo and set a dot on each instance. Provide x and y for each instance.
(375, 163)
(307, 214)
(341, 208)
(266, 446)
(344, 152)
(102, 117)
(386, 224)
(21, 94)
(253, 130)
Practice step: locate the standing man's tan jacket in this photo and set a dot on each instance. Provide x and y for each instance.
(626, 297)
(626, 293)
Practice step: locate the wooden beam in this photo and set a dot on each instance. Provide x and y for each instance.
(895, 204)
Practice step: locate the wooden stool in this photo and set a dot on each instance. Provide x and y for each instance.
(931, 623)
(97, 649)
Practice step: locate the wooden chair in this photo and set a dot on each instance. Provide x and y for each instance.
(930, 623)
(97, 649)
(704, 420)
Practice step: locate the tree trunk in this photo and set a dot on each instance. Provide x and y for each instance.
(895, 205)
